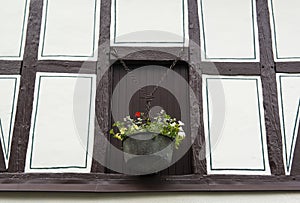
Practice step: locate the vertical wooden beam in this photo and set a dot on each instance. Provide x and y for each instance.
(103, 88)
(268, 77)
(25, 100)
(195, 81)
(2, 160)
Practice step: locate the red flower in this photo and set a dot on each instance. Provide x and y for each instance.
(138, 114)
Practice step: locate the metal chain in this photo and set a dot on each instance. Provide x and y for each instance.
(126, 68)
(148, 97)
(166, 73)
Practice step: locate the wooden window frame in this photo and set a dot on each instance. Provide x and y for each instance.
(14, 178)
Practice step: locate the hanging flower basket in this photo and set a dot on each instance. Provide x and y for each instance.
(148, 144)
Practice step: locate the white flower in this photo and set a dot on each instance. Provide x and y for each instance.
(180, 123)
(181, 134)
(173, 124)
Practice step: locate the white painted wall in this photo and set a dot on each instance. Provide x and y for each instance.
(265, 197)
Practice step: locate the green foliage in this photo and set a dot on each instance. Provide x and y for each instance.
(161, 124)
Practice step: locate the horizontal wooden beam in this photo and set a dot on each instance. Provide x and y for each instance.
(149, 53)
(10, 67)
(288, 67)
(67, 66)
(154, 183)
(221, 68)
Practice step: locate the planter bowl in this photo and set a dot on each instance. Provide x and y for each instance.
(147, 152)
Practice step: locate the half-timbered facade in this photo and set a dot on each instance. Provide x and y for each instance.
(67, 68)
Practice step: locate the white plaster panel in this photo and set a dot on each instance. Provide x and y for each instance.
(13, 25)
(70, 30)
(149, 23)
(9, 91)
(234, 125)
(228, 30)
(62, 126)
(289, 107)
(285, 18)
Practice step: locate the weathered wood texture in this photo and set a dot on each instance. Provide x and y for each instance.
(268, 77)
(152, 53)
(195, 82)
(28, 72)
(154, 183)
(103, 90)
(226, 68)
(287, 67)
(10, 67)
(82, 67)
